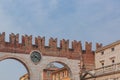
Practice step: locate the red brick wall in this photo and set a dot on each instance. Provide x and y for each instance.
(26, 47)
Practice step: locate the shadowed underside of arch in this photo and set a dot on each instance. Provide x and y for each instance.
(84, 75)
(64, 65)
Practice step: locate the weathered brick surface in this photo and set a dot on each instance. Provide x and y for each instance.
(52, 50)
(98, 45)
(88, 57)
(63, 54)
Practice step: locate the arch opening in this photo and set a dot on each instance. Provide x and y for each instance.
(57, 71)
(13, 69)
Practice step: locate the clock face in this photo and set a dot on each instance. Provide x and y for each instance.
(35, 57)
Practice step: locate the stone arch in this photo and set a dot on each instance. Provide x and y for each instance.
(19, 59)
(65, 63)
(68, 68)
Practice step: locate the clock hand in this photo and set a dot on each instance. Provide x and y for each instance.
(36, 56)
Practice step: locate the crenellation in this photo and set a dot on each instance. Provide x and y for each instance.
(77, 46)
(27, 43)
(14, 40)
(88, 56)
(98, 45)
(64, 48)
(26, 46)
(21, 51)
(88, 47)
(64, 45)
(2, 39)
(40, 42)
(53, 44)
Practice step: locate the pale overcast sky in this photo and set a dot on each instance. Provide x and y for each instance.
(82, 20)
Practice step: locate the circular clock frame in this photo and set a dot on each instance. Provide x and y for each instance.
(35, 57)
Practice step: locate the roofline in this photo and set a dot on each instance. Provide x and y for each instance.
(108, 46)
(64, 68)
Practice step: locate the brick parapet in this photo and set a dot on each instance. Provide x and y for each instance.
(98, 45)
(26, 46)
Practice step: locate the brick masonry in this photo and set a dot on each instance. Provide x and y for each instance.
(63, 54)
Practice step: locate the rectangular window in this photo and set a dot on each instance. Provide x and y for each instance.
(102, 63)
(112, 49)
(102, 52)
(113, 61)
